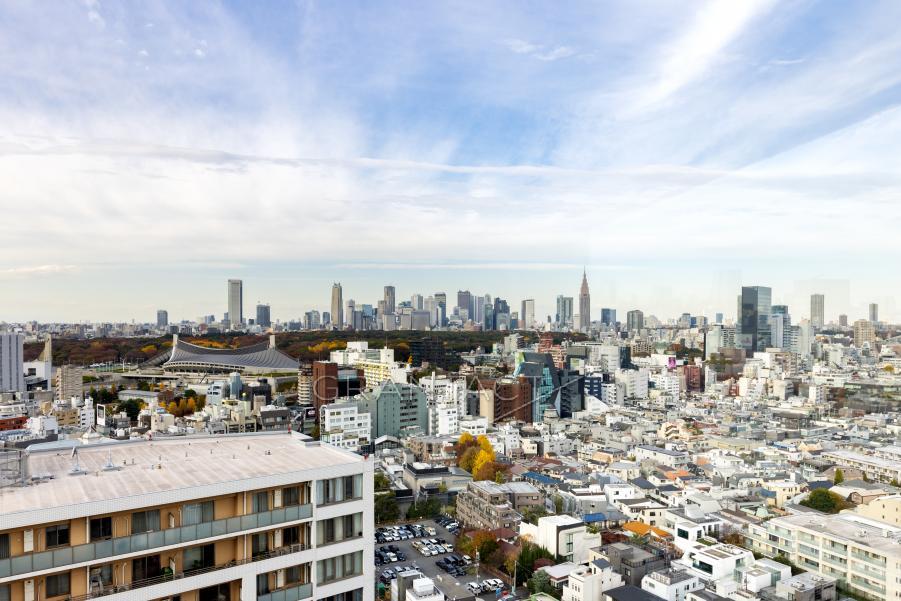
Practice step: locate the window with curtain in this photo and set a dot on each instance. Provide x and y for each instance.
(57, 585)
(260, 502)
(145, 521)
(5, 594)
(343, 566)
(335, 490)
(198, 558)
(291, 496)
(337, 529)
(263, 583)
(260, 543)
(197, 513)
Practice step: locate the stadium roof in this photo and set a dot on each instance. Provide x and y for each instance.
(263, 357)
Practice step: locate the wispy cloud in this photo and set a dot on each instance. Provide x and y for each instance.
(37, 270)
(538, 51)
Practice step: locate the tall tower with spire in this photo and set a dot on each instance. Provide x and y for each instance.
(584, 303)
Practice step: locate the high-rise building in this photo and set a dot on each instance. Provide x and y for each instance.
(843, 320)
(864, 332)
(817, 311)
(780, 321)
(236, 303)
(719, 318)
(263, 317)
(608, 316)
(325, 384)
(464, 303)
(349, 307)
(69, 382)
(755, 330)
(416, 302)
(634, 320)
(564, 310)
(389, 299)
(12, 372)
(874, 312)
(528, 314)
(337, 315)
(269, 516)
(584, 304)
(162, 318)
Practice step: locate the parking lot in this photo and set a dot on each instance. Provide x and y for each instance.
(454, 586)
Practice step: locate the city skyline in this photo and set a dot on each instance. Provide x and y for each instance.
(402, 153)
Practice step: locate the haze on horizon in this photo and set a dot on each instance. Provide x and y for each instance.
(150, 151)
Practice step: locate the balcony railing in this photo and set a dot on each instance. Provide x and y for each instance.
(294, 593)
(137, 584)
(136, 543)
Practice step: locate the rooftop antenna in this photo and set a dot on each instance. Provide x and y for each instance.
(76, 470)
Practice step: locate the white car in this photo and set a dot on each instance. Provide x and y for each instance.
(475, 587)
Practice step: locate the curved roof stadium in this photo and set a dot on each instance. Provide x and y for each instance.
(263, 357)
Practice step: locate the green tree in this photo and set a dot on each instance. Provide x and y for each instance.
(558, 504)
(381, 481)
(531, 513)
(826, 501)
(540, 582)
(386, 509)
(839, 476)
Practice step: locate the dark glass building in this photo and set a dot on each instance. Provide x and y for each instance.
(756, 308)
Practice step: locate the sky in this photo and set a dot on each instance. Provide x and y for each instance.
(675, 150)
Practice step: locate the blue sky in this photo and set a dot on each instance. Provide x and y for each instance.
(149, 151)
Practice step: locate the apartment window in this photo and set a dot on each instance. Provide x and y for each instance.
(143, 568)
(198, 558)
(335, 490)
(263, 583)
(4, 546)
(102, 575)
(291, 496)
(291, 536)
(57, 536)
(355, 595)
(260, 502)
(57, 585)
(145, 521)
(101, 528)
(260, 543)
(337, 529)
(343, 566)
(197, 513)
(294, 575)
(218, 592)
(5, 594)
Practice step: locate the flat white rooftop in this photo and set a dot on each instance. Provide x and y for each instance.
(160, 465)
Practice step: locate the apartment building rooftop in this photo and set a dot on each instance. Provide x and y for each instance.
(865, 532)
(62, 481)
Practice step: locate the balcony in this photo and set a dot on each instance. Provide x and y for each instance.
(136, 543)
(293, 593)
(879, 562)
(138, 584)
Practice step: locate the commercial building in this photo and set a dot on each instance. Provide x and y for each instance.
(235, 303)
(755, 308)
(337, 314)
(12, 372)
(564, 310)
(263, 316)
(527, 315)
(162, 318)
(634, 320)
(584, 304)
(263, 517)
(874, 312)
(817, 311)
(389, 300)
